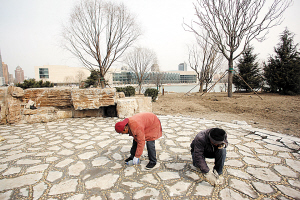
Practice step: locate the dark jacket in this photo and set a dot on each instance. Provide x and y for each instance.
(202, 144)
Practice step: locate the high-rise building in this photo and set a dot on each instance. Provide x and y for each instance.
(19, 74)
(2, 80)
(5, 72)
(182, 67)
(155, 68)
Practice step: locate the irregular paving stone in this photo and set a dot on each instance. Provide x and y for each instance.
(54, 175)
(228, 194)
(20, 181)
(179, 188)
(65, 186)
(105, 182)
(76, 197)
(100, 161)
(168, 175)
(239, 173)
(176, 166)
(262, 187)
(12, 170)
(242, 187)
(289, 191)
(293, 164)
(263, 174)
(147, 193)
(41, 167)
(270, 159)
(87, 155)
(149, 178)
(277, 148)
(252, 161)
(38, 190)
(64, 163)
(6, 195)
(203, 189)
(132, 185)
(285, 171)
(76, 169)
(234, 163)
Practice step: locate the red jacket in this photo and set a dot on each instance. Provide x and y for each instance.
(144, 127)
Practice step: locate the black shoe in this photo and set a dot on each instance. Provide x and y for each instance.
(150, 165)
(128, 159)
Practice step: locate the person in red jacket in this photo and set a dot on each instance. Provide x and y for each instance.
(142, 127)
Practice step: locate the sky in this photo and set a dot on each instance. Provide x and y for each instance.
(30, 32)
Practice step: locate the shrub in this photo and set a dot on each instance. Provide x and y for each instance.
(128, 91)
(150, 92)
(32, 83)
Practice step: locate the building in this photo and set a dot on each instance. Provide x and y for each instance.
(155, 68)
(19, 74)
(2, 79)
(64, 75)
(61, 74)
(182, 67)
(5, 73)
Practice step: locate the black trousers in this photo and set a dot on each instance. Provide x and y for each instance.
(219, 155)
(150, 148)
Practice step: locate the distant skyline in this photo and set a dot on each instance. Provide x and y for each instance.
(31, 29)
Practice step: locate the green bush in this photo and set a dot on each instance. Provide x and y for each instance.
(32, 83)
(153, 93)
(128, 91)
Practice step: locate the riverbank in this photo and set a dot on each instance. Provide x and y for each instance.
(275, 112)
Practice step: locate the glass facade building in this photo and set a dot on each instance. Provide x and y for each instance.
(127, 77)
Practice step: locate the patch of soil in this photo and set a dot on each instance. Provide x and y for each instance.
(275, 112)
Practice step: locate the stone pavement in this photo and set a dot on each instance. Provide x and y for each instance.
(83, 158)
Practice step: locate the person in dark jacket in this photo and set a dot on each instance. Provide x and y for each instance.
(210, 143)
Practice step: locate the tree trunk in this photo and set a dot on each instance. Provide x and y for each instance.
(201, 87)
(230, 65)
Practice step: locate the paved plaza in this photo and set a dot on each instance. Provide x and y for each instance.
(83, 158)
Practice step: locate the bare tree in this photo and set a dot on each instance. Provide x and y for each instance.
(205, 60)
(233, 24)
(140, 61)
(157, 76)
(80, 76)
(99, 33)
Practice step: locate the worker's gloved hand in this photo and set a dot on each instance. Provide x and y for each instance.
(221, 146)
(211, 178)
(136, 161)
(220, 179)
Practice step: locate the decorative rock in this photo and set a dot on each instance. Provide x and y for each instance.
(126, 107)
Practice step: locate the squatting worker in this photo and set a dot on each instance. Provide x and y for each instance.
(210, 143)
(142, 127)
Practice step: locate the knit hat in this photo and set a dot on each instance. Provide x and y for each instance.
(121, 125)
(217, 135)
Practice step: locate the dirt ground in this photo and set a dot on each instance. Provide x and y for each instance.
(275, 112)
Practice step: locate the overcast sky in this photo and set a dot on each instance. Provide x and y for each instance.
(30, 31)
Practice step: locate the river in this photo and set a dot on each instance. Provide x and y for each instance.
(219, 87)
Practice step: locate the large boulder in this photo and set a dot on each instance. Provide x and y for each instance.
(92, 98)
(127, 107)
(48, 97)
